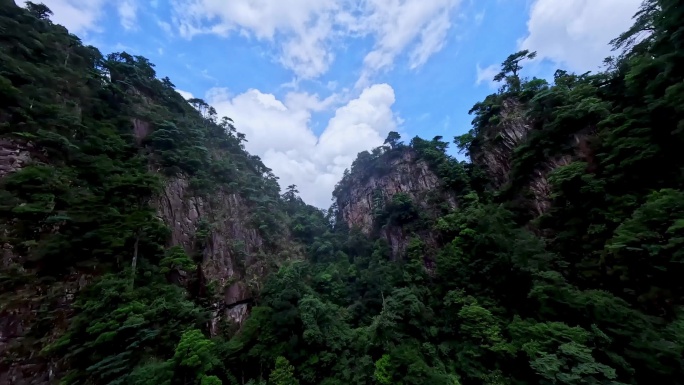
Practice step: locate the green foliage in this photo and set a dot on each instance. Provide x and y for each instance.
(453, 174)
(283, 373)
(393, 139)
(176, 259)
(564, 271)
(194, 355)
(511, 67)
(89, 271)
(383, 370)
(116, 328)
(603, 142)
(211, 380)
(558, 264)
(399, 211)
(646, 250)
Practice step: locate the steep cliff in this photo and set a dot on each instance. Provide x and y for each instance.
(137, 233)
(408, 175)
(519, 148)
(13, 156)
(578, 158)
(393, 193)
(218, 228)
(109, 177)
(496, 144)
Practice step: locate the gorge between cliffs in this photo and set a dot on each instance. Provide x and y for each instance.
(143, 244)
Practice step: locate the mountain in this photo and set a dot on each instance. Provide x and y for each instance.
(394, 186)
(143, 245)
(119, 198)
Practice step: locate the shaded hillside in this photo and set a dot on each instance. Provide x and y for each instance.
(553, 257)
(593, 161)
(143, 245)
(128, 215)
(396, 191)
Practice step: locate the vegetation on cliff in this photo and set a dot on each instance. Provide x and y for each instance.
(99, 138)
(563, 269)
(559, 263)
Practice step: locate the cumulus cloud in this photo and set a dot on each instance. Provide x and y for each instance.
(79, 16)
(576, 33)
(185, 94)
(486, 75)
(302, 26)
(128, 13)
(304, 31)
(84, 16)
(279, 131)
(399, 24)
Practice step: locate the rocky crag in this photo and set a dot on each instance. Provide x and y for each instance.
(395, 177)
(103, 168)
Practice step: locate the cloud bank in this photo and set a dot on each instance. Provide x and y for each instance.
(304, 37)
(304, 32)
(575, 34)
(280, 132)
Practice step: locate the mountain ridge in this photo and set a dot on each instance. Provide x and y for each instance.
(142, 244)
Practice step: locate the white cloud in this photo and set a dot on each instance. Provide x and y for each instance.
(78, 16)
(432, 40)
(398, 24)
(576, 33)
(302, 26)
(82, 17)
(306, 53)
(304, 32)
(486, 75)
(128, 13)
(279, 131)
(185, 94)
(166, 27)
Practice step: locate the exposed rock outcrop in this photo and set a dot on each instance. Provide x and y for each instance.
(406, 174)
(496, 150)
(13, 156)
(218, 228)
(539, 181)
(21, 320)
(66, 223)
(495, 153)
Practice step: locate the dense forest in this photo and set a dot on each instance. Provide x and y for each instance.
(553, 256)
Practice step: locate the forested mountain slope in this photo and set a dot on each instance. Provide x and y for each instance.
(136, 230)
(128, 215)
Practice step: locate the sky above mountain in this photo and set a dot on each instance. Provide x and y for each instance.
(313, 82)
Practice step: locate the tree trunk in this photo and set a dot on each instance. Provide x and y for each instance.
(134, 263)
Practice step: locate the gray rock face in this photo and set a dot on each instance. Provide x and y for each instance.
(28, 304)
(141, 129)
(408, 175)
(13, 156)
(498, 146)
(18, 316)
(230, 244)
(499, 142)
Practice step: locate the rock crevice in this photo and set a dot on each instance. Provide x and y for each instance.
(215, 230)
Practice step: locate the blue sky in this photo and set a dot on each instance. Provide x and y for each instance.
(313, 82)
